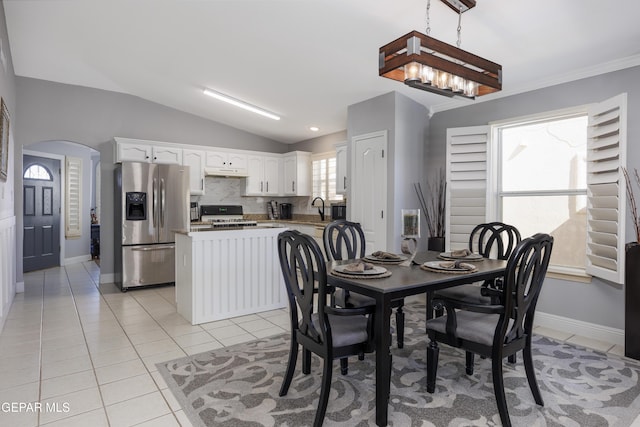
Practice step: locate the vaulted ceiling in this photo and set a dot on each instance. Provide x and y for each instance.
(306, 60)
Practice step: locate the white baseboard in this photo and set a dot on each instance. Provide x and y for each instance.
(19, 287)
(107, 278)
(77, 259)
(578, 327)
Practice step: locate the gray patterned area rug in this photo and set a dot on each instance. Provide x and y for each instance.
(238, 386)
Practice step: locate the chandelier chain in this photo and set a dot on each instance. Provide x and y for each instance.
(459, 42)
(428, 20)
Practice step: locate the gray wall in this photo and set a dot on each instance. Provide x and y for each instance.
(321, 144)
(92, 117)
(406, 123)
(75, 247)
(597, 302)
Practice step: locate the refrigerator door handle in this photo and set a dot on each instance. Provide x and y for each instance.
(162, 202)
(155, 201)
(153, 248)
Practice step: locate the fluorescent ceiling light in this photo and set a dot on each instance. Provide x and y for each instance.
(241, 104)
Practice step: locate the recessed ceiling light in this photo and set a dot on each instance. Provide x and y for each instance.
(314, 129)
(241, 104)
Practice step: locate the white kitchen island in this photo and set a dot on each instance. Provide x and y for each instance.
(228, 273)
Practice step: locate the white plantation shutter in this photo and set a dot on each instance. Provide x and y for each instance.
(73, 197)
(606, 189)
(466, 202)
(324, 176)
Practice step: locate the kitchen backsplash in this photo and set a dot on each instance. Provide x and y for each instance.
(227, 191)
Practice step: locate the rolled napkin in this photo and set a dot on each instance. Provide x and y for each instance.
(359, 267)
(457, 265)
(461, 253)
(384, 255)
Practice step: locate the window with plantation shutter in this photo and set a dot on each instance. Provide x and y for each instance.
(73, 197)
(324, 176)
(466, 202)
(475, 195)
(606, 188)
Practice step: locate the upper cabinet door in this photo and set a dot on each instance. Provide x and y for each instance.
(195, 160)
(126, 152)
(272, 166)
(166, 155)
(297, 171)
(254, 185)
(237, 161)
(341, 168)
(216, 159)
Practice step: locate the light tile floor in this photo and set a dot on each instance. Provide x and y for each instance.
(87, 352)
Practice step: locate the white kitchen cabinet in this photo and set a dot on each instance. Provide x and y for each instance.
(297, 174)
(263, 176)
(166, 155)
(131, 152)
(341, 168)
(226, 160)
(195, 160)
(147, 153)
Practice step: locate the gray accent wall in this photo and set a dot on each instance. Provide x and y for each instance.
(598, 302)
(92, 117)
(321, 144)
(406, 122)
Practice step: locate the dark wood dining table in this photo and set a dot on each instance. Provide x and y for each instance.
(403, 282)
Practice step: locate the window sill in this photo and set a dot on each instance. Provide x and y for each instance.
(570, 274)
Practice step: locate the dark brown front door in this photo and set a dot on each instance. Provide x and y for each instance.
(41, 210)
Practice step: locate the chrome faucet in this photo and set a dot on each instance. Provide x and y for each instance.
(320, 211)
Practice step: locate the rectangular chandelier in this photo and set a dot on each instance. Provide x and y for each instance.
(426, 63)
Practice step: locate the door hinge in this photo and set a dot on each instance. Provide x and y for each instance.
(382, 214)
(383, 154)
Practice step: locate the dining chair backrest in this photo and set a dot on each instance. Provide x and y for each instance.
(344, 240)
(524, 275)
(494, 240)
(305, 274)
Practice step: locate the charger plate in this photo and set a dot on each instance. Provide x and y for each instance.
(435, 266)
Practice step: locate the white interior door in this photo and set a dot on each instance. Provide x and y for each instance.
(369, 189)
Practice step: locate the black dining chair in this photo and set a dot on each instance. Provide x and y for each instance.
(329, 332)
(345, 240)
(497, 330)
(491, 240)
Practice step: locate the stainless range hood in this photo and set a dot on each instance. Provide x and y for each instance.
(226, 172)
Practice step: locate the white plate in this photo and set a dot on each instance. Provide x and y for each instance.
(436, 266)
(373, 272)
(471, 257)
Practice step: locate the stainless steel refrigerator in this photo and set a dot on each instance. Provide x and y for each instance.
(151, 201)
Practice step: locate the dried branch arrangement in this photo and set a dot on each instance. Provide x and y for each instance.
(434, 208)
(633, 207)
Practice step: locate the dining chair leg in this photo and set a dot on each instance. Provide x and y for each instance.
(513, 358)
(344, 366)
(400, 326)
(432, 365)
(361, 356)
(469, 362)
(324, 392)
(531, 374)
(291, 366)
(306, 361)
(498, 389)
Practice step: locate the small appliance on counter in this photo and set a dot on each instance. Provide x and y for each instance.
(338, 212)
(286, 211)
(224, 216)
(194, 212)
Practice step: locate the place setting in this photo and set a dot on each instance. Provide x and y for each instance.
(360, 269)
(451, 267)
(461, 255)
(382, 257)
